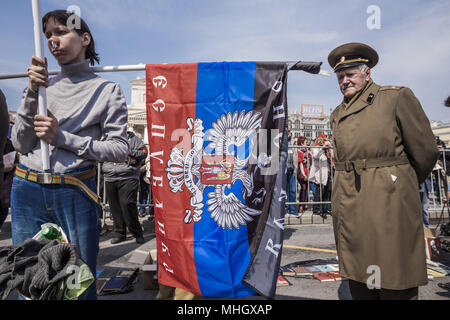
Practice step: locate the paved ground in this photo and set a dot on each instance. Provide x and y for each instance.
(318, 235)
(321, 236)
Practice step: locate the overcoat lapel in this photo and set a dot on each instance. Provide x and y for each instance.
(364, 100)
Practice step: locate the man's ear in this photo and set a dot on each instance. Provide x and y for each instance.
(367, 74)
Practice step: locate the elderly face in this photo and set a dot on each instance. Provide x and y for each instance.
(352, 80)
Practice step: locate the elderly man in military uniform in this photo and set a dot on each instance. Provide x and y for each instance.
(384, 149)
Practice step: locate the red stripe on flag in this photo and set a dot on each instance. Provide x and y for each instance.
(170, 101)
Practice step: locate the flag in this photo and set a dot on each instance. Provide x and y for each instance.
(218, 147)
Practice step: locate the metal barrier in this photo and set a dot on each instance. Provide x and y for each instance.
(439, 182)
(317, 196)
(437, 195)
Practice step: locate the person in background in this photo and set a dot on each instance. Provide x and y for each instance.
(425, 189)
(447, 153)
(82, 107)
(320, 175)
(444, 156)
(304, 156)
(384, 149)
(143, 187)
(122, 184)
(291, 169)
(4, 126)
(147, 178)
(441, 171)
(446, 285)
(10, 159)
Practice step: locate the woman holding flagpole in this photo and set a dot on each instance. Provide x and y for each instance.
(82, 108)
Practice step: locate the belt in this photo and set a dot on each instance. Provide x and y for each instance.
(50, 178)
(358, 165)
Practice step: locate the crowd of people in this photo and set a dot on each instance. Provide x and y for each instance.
(311, 190)
(310, 174)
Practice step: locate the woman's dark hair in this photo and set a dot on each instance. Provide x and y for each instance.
(63, 16)
(447, 102)
(300, 140)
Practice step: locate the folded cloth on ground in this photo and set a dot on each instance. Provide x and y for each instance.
(14, 260)
(34, 266)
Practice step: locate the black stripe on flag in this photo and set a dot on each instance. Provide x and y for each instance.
(265, 233)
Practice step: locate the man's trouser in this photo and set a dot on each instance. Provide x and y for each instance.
(122, 198)
(360, 291)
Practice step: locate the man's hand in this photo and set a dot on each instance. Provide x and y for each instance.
(46, 127)
(37, 74)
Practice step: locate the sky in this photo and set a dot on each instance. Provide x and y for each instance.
(412, 38)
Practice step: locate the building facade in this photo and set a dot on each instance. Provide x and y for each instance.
(304, 123)
(137, 113)
(309, 121)
(442, 130)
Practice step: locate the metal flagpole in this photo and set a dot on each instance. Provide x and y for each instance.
(134, 67)
(39, 48)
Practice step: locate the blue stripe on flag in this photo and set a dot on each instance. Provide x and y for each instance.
(222, 256)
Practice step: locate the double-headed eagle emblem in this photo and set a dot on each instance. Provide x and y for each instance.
(197, 169)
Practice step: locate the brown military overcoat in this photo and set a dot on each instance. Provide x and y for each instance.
(377, 215)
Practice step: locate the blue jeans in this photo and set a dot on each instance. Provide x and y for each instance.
(291, 191)
(33, 204)
(425, 200)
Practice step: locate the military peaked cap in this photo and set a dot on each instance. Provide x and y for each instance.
(352, 54)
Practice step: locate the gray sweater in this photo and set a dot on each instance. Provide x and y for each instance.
(87, 107)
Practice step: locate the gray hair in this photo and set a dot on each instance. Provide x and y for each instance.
(363, 67)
